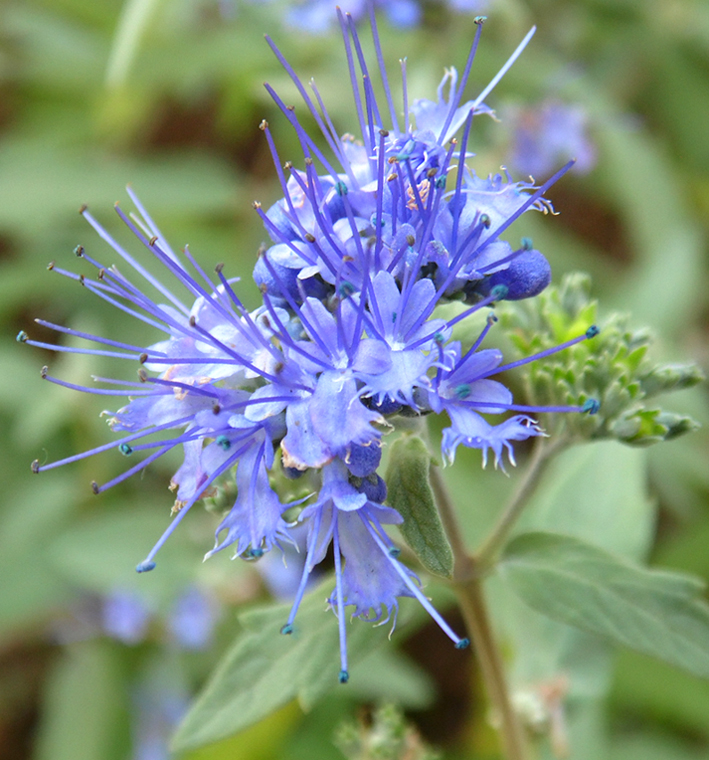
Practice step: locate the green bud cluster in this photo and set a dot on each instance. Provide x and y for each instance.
(388, 736)
(612, 367)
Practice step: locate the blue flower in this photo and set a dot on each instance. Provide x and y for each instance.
(317, 16)
(347, 336)
(548, 133)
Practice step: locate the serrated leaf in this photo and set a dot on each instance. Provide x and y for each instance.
(656, 612)
(409, 492)
(265, 670)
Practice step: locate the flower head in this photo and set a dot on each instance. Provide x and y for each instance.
(347, 336)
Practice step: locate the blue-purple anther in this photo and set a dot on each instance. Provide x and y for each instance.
(367, 240)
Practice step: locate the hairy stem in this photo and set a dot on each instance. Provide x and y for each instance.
(467, 583)
(543, 451)
(477, 620)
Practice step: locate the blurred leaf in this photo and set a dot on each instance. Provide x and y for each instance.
(264, 670)
(390, 676)
(660, 693)
(30, 518)
(100, 551)
(655, 746)
(410, 494)
(135, 18)
(37, 175)
(84, 712)
(596, 492)
(656, 612)
(667, 241)
(265, 740)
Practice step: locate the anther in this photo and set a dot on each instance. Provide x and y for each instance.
(263, 125)
(287, 629)
(485, 221)
(125, 449)
(145, 566)
(219, 267)
(344, 676)
(441, 182)
(256, 205)
(310, 237)
(142, 375)
(462, 391)
(43, 372)
(439, 338)
(95, 488)
(22, 337)
(83, 208)
(391, 177)
(527, 243)
(216, 409)
(288, 165)
(431, 173)
(79, 251)
(480, 20)
(341, 188)
(410, 239)
(101, 273)
(153, 240)
(193, 321)
(499, 292)
(346, 289)
(491, 318)
(223, 442)
(592, 331)
(35, 466)
(591, 406)
(50, 266)
(462, 644)
(82, 279)
(308, 161)
(394, 551)
(384, 133)
(143, 358)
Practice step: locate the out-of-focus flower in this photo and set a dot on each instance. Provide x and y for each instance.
(125, 617)
(548, 134)
(318, 16)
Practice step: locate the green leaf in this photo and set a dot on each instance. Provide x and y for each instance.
(655, 612)
(411, 495)
(84, 709)
(265, 670)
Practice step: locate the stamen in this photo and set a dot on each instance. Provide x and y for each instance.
(460, 643)
(341, 620)
(590, 333)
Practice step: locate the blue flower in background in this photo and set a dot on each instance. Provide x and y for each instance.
(551, 132)
(367, 243)
(318, 16)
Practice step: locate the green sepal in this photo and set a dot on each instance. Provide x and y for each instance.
(409, 492)
(643, 427)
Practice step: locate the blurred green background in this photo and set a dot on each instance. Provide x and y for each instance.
(167, 96)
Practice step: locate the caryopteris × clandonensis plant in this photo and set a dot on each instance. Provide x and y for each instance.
(368, 241)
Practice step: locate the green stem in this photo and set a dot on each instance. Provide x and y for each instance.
(486, 556)
(467, 583)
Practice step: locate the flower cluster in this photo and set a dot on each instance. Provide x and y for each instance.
(366, 244)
